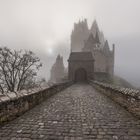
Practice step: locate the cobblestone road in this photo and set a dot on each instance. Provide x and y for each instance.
(77, 113)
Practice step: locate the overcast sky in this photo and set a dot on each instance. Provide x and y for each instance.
(44, 26)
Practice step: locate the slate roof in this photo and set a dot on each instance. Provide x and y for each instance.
(82, 56)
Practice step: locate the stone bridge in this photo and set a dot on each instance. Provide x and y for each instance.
(79, 112)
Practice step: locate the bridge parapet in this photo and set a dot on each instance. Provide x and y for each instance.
(126, 97)
(14, 107)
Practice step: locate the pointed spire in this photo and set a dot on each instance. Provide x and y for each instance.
(94, 28)
(90, 43)
(102, 38)
(106, 48)
(106, 45)
(97, 37)
(91, 38)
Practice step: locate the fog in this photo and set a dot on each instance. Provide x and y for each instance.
(44, 26)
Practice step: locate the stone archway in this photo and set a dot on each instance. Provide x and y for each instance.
(80, 75)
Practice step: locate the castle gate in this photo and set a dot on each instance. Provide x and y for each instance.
(81, 66)
(80, 75)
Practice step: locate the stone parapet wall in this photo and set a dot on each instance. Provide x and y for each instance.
(15, 107)
(126, 97)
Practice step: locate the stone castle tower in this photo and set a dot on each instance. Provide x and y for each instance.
(92, 40)
(57, 70)
(79, 34)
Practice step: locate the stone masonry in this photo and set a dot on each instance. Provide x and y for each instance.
(77, 113)
(15, 106)
(126, 97)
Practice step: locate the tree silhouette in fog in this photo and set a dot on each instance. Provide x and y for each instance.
(18, 69)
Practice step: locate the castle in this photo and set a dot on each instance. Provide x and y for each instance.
(91, 40)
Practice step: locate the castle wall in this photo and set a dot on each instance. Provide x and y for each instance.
(77, 42)
(103, 63)
(100, 62)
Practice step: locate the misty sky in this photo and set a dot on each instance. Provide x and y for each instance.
(44, 26)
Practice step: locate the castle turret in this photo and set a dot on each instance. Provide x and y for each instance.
(106, 48)
(97, 38)
(91, 43)
(57, 70)
(113, 46)
(102, 39)
(94, 28)
(95, 31)
(79, 35)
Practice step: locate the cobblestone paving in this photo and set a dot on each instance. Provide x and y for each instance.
(77, 113)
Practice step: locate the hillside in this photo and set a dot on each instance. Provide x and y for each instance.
(122, 82)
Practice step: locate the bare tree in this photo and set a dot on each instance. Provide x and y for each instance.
(17, 69)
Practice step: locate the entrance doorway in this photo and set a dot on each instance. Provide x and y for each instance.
(80, 75)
